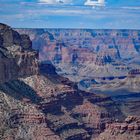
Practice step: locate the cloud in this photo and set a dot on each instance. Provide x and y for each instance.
(95, 2)
(61, 12)
(56, 1)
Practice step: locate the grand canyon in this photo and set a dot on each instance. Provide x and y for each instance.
(69, 84)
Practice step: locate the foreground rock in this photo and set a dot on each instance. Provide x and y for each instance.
(61, 111)
(17, 58)
(128, 130)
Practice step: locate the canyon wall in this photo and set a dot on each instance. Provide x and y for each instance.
(17, 58)
(95, 59)
(96, 46)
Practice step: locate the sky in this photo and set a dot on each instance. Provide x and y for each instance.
(104, 14)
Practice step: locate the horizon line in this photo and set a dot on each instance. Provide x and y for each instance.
(75, 28)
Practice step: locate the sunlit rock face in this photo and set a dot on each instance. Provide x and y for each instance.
(17, 58)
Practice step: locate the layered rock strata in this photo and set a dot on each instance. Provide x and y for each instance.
(17, 58)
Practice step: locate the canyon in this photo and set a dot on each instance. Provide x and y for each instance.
(39, 102)
(95, 59)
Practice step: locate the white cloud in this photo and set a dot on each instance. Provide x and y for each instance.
(56, 1)
(95, 2)
(57, 12)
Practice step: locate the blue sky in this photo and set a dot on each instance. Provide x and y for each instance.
(111, 14)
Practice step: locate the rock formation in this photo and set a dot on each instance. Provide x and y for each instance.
(61, 111)
(17, 58)
(128, 130)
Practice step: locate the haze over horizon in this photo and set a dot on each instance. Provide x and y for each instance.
(102, 14)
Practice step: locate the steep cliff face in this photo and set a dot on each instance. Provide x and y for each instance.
(8, 70)
(17, 58)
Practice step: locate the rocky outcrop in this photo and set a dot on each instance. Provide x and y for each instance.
(17, 58)
(61, 111)
(128, 130)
